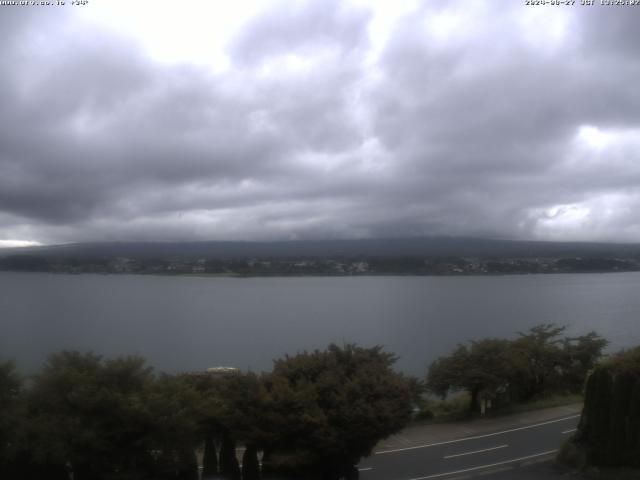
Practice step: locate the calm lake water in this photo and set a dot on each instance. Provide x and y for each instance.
(187, 323)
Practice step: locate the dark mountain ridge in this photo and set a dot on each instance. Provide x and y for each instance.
(385, 247)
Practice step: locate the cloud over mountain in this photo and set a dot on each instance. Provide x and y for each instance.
(330, 120)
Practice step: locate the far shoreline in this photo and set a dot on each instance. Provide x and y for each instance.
(311, 275)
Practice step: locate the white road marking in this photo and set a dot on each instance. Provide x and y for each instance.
(381, 452)
(476, 451)
(485, 466)
(570, 430)
(365, 469)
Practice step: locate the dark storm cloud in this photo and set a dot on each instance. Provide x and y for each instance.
(496, 124)
(468, 121)
(96, 134)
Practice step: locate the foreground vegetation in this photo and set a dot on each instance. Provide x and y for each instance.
(456, 408)
(314, 416)
(609, 431)
(495, 373)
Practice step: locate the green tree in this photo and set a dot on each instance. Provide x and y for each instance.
(553, 363)
(541, 346)
(233, 404)
(485, 369)
(447, 372)
(537, 362)
(327, 409)
(175, 411)
(110, 419)
(91, 414)
(581, 354)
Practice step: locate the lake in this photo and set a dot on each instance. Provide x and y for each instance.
(190, 323)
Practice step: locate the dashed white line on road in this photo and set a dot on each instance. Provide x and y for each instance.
(476, 451)
(365, 469)
(481, 467)
(381, 452)
(569, 431)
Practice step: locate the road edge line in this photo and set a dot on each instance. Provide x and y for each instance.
(480, 467)
(456, 455)
(475, 437)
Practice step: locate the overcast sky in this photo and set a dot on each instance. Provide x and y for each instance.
(252, 120)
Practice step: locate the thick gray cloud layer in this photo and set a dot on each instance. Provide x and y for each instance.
(467, 119)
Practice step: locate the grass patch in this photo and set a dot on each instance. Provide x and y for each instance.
(542, 403)
(452, 409)
(456, 408)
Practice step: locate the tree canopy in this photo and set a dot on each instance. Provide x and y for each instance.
(103, 419)
(315, 415)
(331, 407)
(536, 362)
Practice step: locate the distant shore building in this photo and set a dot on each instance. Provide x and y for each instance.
(214, 372)
(222, 370)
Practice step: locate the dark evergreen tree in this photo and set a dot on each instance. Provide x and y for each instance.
(633, 427)
(165, 466)
(33, 470)
(620, 404)
(268, 469)
(598, 414)
(210, 458)
(229, 467)
(187, 465)
(609, 429)
(352, 473)
(250, 464)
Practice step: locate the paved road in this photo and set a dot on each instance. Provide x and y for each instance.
(472, 455)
